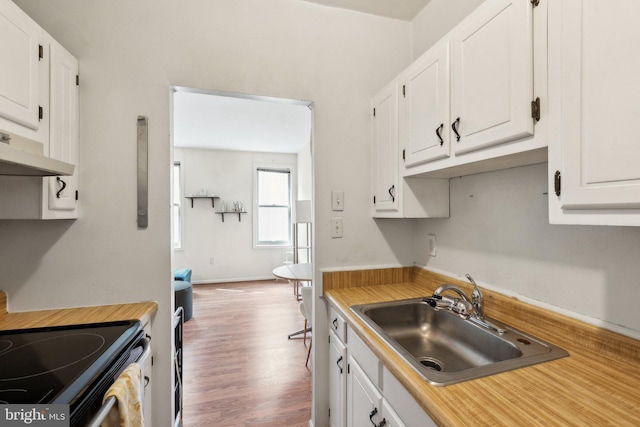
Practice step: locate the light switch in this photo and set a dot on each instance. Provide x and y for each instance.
(337, 200)
(336, 227)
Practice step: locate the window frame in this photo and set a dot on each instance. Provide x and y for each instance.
(282, 168)
(179, 221)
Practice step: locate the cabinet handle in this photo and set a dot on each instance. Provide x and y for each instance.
(373, 414)
(147, 379)
(439, 133)
(335, 323)
(557, 183)
(383, 423)
(391, 190)
(455, 126)
(338, 363)
(63, 186)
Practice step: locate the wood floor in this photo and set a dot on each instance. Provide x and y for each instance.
(239, 367)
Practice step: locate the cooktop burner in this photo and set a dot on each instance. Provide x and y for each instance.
(53, 365)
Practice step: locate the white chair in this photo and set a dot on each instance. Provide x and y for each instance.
(306, 310)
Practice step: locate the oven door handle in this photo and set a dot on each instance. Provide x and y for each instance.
(102, 413)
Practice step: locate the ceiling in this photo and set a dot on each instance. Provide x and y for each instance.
(398, 9)
(226, 122)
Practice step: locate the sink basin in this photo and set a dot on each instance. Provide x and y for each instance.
(446, 349)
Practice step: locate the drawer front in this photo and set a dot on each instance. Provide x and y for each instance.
(337, 324)
(365, 358)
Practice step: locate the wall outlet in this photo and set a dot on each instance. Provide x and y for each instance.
(431, 245)
(211, 260)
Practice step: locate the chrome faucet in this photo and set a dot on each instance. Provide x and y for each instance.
(463, 307)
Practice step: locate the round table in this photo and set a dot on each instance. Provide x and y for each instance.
(296, 273)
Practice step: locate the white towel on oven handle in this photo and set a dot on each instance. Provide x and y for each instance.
(127, 390)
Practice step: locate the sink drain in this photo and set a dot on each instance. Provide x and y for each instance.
(431, 363)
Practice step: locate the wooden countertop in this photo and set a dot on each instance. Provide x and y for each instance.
(142, 311)
(597, 385)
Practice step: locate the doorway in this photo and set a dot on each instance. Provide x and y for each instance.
(220, 143)
(223, 147)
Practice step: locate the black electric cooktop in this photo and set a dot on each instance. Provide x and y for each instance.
(57, 364)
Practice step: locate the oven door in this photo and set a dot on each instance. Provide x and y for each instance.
(91, 411)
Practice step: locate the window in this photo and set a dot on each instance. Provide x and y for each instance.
(177, 206)
(273, 207)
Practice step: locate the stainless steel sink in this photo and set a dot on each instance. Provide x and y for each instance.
(446, 349)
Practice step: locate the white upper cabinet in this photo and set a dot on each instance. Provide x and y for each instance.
(20, 44)
(385, 149)
(394, 196)
(594, 153)
(424, 107)
(63, 135)
(493, 76)
(50, 122)
(472, 103)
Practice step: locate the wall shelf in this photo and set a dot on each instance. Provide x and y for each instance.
(233, 213)
(213, 199)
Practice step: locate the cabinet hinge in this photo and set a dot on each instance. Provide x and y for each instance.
(76, 195)
(557, 183)
(348, 368)
(535, 109)
(40, 52)
(40, 112)
(404, 94)
(403, 154)
(374, 112)
(77, 79)
(374, 200)
(329, 412)
(535, 3)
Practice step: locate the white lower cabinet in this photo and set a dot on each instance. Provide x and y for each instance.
(364, 401)
(389, 416)
(362, 392)
(337, 380)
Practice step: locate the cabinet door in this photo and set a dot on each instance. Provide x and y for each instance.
(63, 138)
(390, 417)
(493, 76)
(337, 381)
(363, 399)
(385, 149)
(20, 40)
(424, 111)
(596, 75)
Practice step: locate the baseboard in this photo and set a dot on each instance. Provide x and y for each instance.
(232, 279)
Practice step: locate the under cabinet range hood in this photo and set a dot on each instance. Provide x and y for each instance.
(23, 157)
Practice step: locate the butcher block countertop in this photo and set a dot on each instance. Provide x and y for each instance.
(142, 311)
(597, 385)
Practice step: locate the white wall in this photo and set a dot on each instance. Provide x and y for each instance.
(436, 19)
(130, 54)
(229, 175)
(499, 233)
(499, 230)
(305, 174)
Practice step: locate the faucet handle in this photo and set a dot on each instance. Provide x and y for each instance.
(476, 296)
